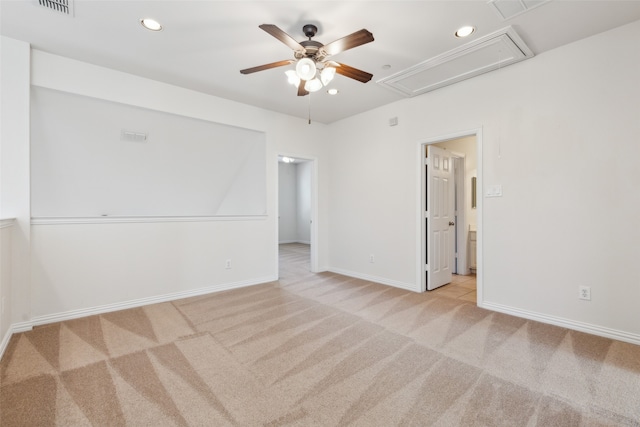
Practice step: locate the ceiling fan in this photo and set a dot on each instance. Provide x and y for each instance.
(313, 70)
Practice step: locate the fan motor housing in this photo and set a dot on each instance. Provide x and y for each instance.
(311, 48)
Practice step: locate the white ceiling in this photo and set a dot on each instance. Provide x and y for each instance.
(204, 44)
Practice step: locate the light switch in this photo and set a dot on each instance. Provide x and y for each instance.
(494, 191)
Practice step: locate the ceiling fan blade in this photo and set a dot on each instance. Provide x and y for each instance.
(301, 90)
(267, 66)
(352, 40)
(352, 73)
(283, 37)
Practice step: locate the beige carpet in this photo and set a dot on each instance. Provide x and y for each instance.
(316, 350)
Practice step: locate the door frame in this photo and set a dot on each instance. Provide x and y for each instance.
(421, 203)
(313, 208)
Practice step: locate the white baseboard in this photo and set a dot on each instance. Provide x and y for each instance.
(13, 329)
(5, 342)
(83, 312)
(381, 280)
(565, 323)
(21, 327)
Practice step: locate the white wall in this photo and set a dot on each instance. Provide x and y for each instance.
(303, 199)
(82, 267)
(287, 202)
(560, 134)
(295, 202)
(14, 184)
(82, 167)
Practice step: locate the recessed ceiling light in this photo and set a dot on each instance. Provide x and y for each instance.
(332, 91)
(386, 67)
(151, 24)
(465, 31)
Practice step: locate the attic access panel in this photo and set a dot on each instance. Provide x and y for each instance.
(488, 53)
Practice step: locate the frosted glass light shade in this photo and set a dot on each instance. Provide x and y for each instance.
(292, 77)
(327, 75)
(313, 85)
(306, 69)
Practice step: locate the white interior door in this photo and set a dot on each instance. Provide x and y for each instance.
(440, 217)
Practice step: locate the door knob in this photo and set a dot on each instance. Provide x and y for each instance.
(452, 223)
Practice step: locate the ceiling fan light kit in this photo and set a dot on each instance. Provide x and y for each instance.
(312, 70)
(306, 69)
(327, 74)
(292, 77)
(313, 85)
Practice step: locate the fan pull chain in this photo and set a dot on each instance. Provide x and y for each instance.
(309, 107)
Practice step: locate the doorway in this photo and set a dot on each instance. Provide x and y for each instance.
(297, 204)
(463, 152)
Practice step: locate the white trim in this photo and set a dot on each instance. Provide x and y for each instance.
(479, 216)
(7, 222)
(5, 341)
(563, 322)
(376, 279)
(140, 219)
(21, 327)
(421, 218)
(13, 329)
(83, 312)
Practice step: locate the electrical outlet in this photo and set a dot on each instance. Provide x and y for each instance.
(584, 292)
(372, 258)
(227, 264)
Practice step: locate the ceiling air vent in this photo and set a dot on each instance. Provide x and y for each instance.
(488, 53)
(62, 6)
(507, 9)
